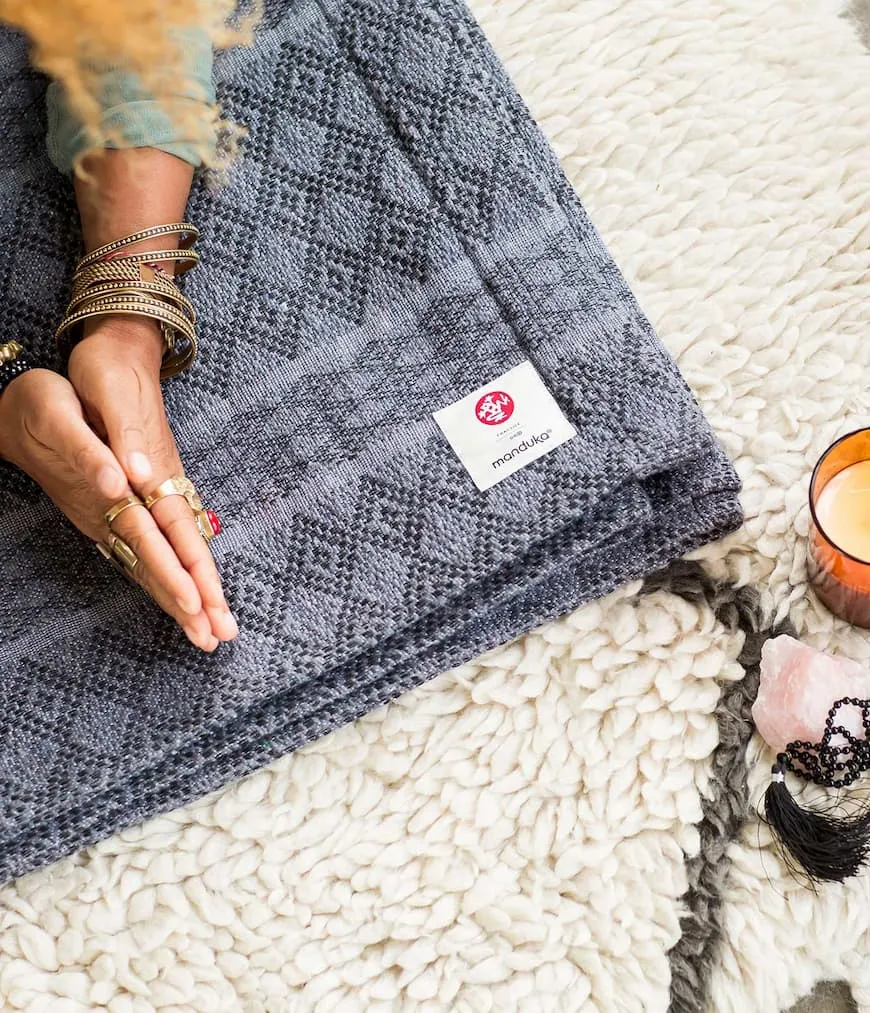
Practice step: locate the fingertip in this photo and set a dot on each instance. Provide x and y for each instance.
(192, 606)
(231, 623)
(205, 641)
(223, 623)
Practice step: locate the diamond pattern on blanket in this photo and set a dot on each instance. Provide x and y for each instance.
(395, 234)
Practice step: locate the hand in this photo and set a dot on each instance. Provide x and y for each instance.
(115, 371)
(43, 431)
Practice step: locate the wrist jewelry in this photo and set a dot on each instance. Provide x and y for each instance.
(10, 350)
(13, 362)
(109, 281)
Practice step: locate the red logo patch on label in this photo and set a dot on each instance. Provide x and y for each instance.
(494, 408)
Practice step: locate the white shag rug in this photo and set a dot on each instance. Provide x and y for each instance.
(514, 835)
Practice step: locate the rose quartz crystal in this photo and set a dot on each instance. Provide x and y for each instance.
(798, 687)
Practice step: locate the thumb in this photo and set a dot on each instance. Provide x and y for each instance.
(130, 418)
(127, 438)
(90, 458)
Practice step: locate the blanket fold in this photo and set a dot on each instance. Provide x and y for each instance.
(396, 234)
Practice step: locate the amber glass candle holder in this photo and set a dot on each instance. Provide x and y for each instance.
(840, 579)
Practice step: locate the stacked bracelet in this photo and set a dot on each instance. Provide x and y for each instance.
(13, 362)
(108, 281)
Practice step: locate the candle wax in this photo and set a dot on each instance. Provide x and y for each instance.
(843, 510)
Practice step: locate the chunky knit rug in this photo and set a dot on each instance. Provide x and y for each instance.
(564, 823)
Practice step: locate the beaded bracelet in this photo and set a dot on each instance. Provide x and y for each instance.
(12, 367)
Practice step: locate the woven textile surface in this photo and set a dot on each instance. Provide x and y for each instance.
(551, 827)
(398, 235)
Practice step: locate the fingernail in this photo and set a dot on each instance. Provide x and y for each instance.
(190, 607)
(140, 466)
(109, 481)
(205, 641)
(231, 622)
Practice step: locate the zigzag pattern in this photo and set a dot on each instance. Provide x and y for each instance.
(396, 234)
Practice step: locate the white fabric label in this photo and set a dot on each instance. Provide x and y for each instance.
(505, 425)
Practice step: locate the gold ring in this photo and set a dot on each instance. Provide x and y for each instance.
(121, 556)
(180, 485)
(177, 485)
(10, 350)
(123, 551)
(203, 522)
(120, 507)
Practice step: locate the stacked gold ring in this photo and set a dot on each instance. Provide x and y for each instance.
(120, 554)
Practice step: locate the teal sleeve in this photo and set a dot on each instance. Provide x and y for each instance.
(131, 115)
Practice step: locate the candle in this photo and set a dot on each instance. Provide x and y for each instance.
(843, 510)
(839, 543)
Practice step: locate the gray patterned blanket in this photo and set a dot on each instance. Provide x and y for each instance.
(396, 239)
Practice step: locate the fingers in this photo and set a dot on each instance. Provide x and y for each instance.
(53, 444)
(168, 581)
(162, 575)
(122, 397)
(139, 434)
(98, 482)
(176, 520)
(159, 570)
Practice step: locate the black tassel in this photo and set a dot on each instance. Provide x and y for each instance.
(828, 847)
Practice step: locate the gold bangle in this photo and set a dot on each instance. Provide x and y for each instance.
(141, 305)
(188, 232)
(130, 265)
(178, 331)
(128, 285)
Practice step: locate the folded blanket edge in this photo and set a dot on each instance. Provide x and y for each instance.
(59, 834)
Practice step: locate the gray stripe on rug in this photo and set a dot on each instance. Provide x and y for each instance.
(827, 997)
(728, 809)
